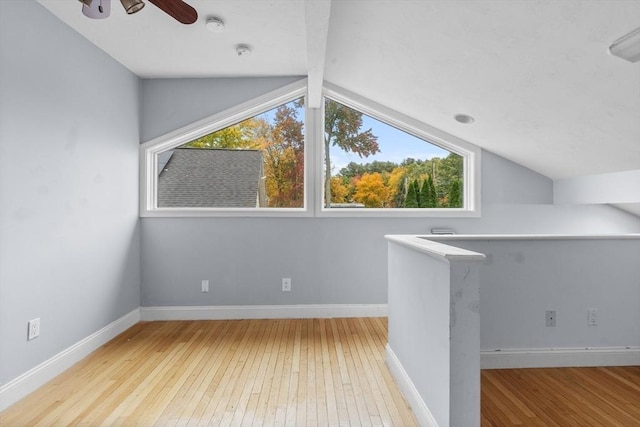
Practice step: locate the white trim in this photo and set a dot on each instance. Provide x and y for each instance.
(418, 406)
(470, 153)
(530, 237)
(435, 249)
(303, 311)
(313, 173)
(26, 383)
(563, 357)
(150, 149)
(316, 17)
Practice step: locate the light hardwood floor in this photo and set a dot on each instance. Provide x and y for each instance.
(604, 396)
(309, 372)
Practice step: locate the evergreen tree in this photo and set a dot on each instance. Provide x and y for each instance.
(428, 197)
(455, 194)
(416, 190)
(411, 199)
(425, 195)
(433, 196)
(400, 194)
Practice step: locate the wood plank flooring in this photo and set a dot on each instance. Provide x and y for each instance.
(309, 372)
(603, 396)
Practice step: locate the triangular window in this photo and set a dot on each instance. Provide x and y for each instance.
(274, 156)
(370, 164)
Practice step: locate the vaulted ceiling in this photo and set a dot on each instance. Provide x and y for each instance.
(535, 74)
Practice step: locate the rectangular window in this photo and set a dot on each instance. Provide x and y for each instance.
(370, 164)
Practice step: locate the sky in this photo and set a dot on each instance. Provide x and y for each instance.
(395, 146)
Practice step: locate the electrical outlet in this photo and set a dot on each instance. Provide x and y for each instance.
(33, 329)
(592, 317)
(205, 286)
(551, 318)
(286, 284)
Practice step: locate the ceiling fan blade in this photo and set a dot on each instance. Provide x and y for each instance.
(178, 9)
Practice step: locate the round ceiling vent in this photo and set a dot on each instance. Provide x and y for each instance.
(464, 119)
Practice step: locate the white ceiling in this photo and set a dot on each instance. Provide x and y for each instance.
(535, 74)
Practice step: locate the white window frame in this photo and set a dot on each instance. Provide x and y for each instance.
(149, 152)
(313, 158)
(470, 153)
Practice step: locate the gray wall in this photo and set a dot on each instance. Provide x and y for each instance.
(521, 279)
(69, 248)
(434, 332)
(70, 123)
(337, 260)
(419, 324)
(172, 103)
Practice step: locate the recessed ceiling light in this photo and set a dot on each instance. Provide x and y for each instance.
(627, 47)
(464, 119)
(243, 50)
(215, 25)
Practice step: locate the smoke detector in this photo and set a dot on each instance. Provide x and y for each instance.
(243, 50)
(215, 25)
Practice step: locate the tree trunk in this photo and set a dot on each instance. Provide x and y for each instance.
(327, 174)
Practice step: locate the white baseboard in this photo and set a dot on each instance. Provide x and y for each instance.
(556, 358)
(418, 406)
(28, 382)
(303, 311)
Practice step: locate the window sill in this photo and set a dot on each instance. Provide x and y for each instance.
(230, 212)
(397, 213)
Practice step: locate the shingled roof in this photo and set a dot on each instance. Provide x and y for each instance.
(193, 177)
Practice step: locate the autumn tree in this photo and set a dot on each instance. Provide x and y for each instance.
(282, 144)
(283, 152)
(371, 191)
(354, 169)
(342, 128)
(238, 136)
(340, 191)
(396, 183)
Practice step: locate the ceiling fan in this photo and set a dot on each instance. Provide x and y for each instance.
(179, 10)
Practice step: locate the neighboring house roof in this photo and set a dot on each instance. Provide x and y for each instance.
(193, 177)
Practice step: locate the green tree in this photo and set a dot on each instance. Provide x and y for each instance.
(448, 170)
(428, 197)
(455, 194)
(342, 128)
(354, 169)
(412, 199)
(425, 195)
(398, 186)
(238, 136)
